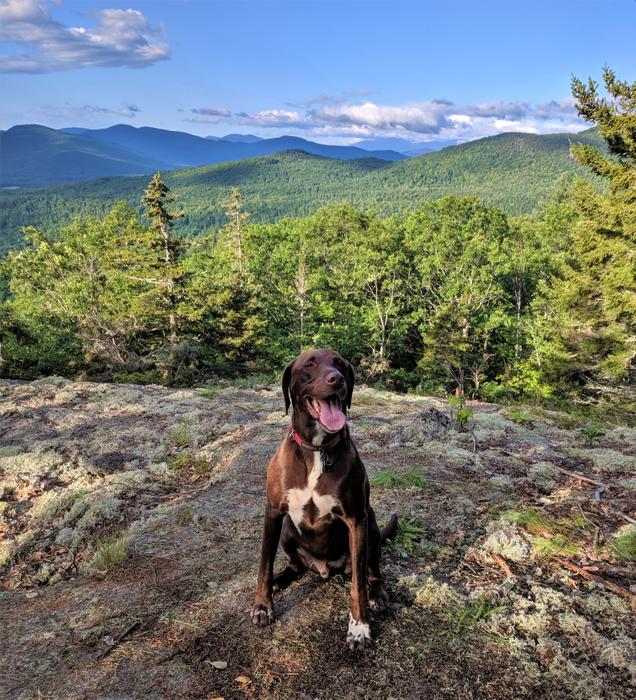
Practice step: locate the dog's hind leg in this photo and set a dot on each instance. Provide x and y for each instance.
(286, 577)
(295, 568)
(378, 598)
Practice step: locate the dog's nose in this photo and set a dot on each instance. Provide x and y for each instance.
(334, 378)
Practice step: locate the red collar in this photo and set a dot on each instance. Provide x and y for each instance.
(293, 435)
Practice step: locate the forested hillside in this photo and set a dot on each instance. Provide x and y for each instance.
(449, 295)
(32, 155)
(512, 171)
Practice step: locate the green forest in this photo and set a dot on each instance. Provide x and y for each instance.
(512, 171)
(455, 295)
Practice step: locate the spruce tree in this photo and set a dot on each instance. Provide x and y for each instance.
(239, 321)
(234, 230)
(170, 283)
(598, 292)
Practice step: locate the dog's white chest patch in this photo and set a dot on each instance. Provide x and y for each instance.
(298, 499)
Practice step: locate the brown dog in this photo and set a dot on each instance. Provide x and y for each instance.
(318, 496)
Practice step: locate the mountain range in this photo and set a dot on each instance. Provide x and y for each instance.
(34, 155)
(514, 171)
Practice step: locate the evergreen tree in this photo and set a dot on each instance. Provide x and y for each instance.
(234, 229)
(76, 293)
(170, 283)
(536, 364)
(597, 294)
(236, 315)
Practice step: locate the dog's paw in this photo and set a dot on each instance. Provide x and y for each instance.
(378, 598)
(262, 615)
(358, 635)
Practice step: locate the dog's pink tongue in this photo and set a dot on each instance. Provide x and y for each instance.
(331, 417)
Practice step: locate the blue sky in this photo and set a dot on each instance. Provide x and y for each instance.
(333, 71)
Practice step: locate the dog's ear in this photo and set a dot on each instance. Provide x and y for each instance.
(350, 382)
(286, 382)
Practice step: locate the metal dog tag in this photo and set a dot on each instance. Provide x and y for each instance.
(325, 461)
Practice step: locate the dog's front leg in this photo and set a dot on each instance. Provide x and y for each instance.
(359, 633)
(263, 607)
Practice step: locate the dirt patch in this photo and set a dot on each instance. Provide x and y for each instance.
(509, 578)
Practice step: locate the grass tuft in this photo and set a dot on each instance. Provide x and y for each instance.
(526, 518)
(180, 436)
(550, 547)
(187, 463)
(207, 393)
(184, 516)
(624, 544)
(463, 618)
(551, 536)
(109, 552)
(390, 478)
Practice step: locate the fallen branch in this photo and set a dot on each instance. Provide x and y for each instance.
(503, 566)
(576, 475)
(119, 640)
(610, 569)
(626, 517)
(610, 585)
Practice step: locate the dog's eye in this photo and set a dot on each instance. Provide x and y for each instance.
(310, 364)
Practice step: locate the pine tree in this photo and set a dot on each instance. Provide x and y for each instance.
(77, 299)
(598, 292)
(156, 200)
(238, 318)
(234, 230)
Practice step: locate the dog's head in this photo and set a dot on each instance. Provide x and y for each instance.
(319, 385)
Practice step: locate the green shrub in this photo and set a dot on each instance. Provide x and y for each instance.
(408, 537)
(591, 433)
(520, 416)
(148, 377)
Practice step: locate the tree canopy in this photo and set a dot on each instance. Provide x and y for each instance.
(454, 295)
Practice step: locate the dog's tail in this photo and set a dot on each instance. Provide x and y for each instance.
(389, 529)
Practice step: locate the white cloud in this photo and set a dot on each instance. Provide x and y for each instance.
(208, 115)
(423, 121)
(212, 111)
(123, 38)
(275, 118)
(81, 115)
(428, 117)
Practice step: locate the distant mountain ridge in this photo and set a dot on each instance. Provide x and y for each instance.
(408, 148)
(514, 171)
(241, 138)
(34, 155)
